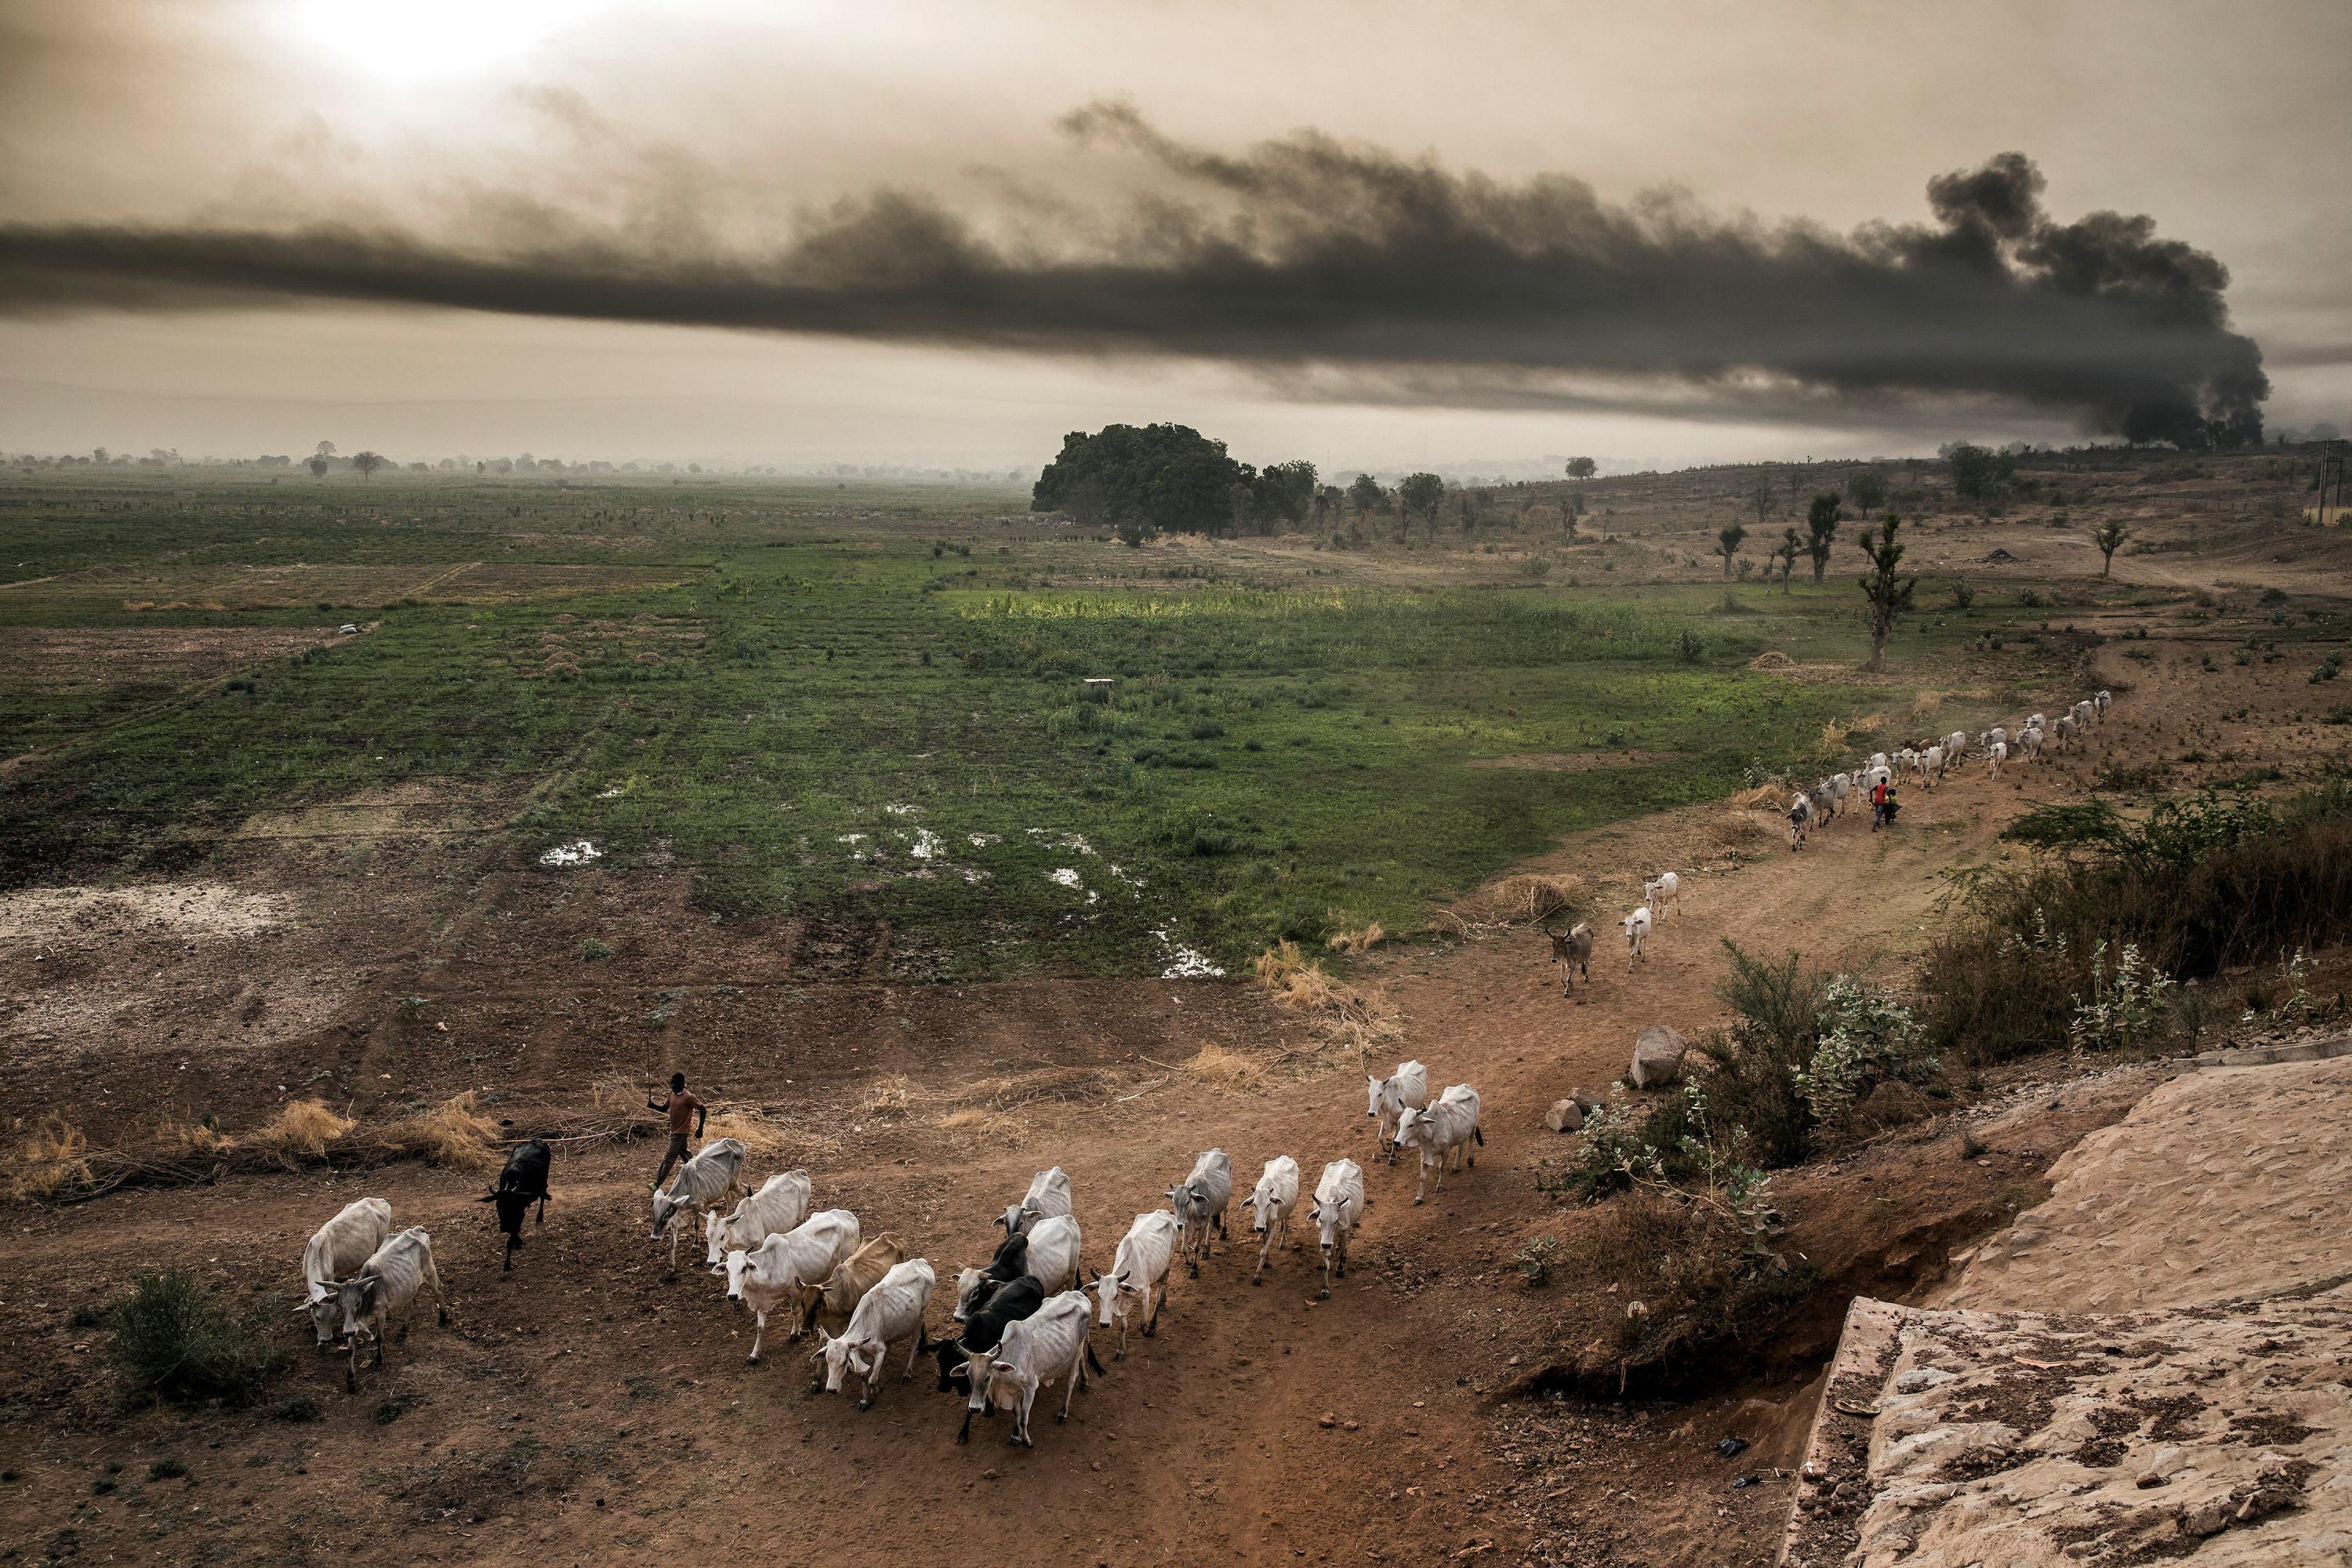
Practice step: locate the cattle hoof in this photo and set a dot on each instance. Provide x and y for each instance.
(753, 1358)
(865, 1405)
(1257, 1278)
(1416, 1203)
(1118, 1355)
(961, 1438)
(1060, 1416)
(1324, 1294)
(350, 1384)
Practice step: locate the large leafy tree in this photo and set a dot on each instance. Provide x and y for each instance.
(1421, 493)
(1867, 491)
(1151, 478)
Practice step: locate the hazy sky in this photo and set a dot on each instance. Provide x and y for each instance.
(1363, 233)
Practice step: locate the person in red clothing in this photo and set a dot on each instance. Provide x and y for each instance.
(684, 1111)
(1880, 793)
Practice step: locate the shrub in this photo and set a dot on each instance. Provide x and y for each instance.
(173, 1343)
(1690, 646)
(1535, 1259)
(2195, 887)
(2125, 1014)
(1864, 1039)
(594, 950)
(299, 1408)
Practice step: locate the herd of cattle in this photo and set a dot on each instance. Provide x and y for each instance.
(1021, 1324)
(1929, 762)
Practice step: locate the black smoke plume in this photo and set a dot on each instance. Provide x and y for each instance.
(1310, 260)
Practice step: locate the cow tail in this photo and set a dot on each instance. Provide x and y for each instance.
(1092, 1361)
(1480, 1134)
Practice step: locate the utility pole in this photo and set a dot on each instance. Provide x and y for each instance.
(2331, 472)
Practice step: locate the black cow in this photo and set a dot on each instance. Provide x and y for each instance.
(984, 1328)
(522, 1184)
(1011, 1260)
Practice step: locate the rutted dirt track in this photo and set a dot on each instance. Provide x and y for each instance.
(584, 1409)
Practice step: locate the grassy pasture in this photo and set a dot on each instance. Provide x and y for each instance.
(856, 709)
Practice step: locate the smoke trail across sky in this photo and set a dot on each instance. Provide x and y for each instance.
(1325, 266)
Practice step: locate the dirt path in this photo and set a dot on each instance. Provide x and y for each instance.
(583, 1405)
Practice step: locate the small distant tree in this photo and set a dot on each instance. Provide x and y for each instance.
(2109, 537)
(1790, 548)
(1366, 496)
(1421, 493)
(1726, 544)
(1762, 499)
(1888, 594)
(368, 463)
(1821, 520)
(1978, 471)
(1867, 491)
(1583, 468)
(317, 465)
(1964, 593)
(325, 449)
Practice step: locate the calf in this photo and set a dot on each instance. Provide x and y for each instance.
(1138, 1274)
(1572, 953)
(781, 1203)
(1048, 1195)
(522, 1183)
(1049, 1344)
(1800, 820)
(335, 1249)
(1270, 1205)
(1637, 927)
(1200, 1202)
(1339, 1204)
(702, 1184)
(983, 1326)
(1668, 888)
(1387, 1097)
(1444, 1133)
(777, 1270)
(1011, 1260)
(892, 1309)
(830, 1305)
(386, 1283)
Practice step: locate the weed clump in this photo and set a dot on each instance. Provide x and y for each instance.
(174, 1343)
(52, 1157)
(298, 1135)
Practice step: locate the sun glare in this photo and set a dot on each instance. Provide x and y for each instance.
(417, 41)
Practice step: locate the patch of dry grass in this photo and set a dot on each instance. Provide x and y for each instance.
(1362, 939)
(1531, 897)
(893, 1093)
(1219, 1064)
(1737, 837)
(452, 1133)
(1925, 704)
(298, 1135)
(1344, 1014)
(758, 1133)
(53, 1156)
(1834, 735)
(1763, 796)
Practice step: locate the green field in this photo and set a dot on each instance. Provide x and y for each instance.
(869, 705)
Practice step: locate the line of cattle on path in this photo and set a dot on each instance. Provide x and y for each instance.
(1021, 1324)
(1930, 762)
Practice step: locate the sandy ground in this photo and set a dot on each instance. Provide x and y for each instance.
(583, 1405)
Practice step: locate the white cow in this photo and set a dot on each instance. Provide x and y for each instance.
(2029, 744)
(781, 1203)
(1637, 927)
(2066, 728)
(2103, 700)
(1931, 766)
(2085, 711)
(1270, 1205)
(892, 1309)
(775, 1272)
(702, 1184)
(1048, 1195)
(1954, 744)
(1338, 1206)
(1200, 1202)
(1669, 888)
(335, 1249)
(1048, 1345)
(1800, 819)
(1995, 754)
(1388, 1097)
(1444, 1133)
(386, 1283)
(1053, 1253)
(1136, 1284)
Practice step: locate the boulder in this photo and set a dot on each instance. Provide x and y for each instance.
(1565, 1115)
(1657, 1056)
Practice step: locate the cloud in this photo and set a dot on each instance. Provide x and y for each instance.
(1312, 262)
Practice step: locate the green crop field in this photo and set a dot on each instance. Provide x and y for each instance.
(871, 704)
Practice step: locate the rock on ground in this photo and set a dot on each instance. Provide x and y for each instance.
(1657, 1056)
